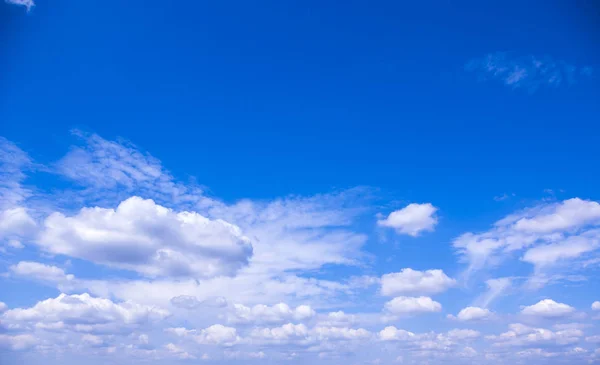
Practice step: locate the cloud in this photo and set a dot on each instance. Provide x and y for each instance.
(411, 305)
(3, 307)
(17, 342)
(13, 162)
(41, 272)
(412, 219)
(526, 72)
(217, 335)
(16, 224)
(141, 236)
(596, 306)
(83, 313)
(26, 3)
(409, 281)
(549, 309)
(281, 335)
(472, 314)
(269, 314)
(552, 233)
(495, 288)
(192, 302)
(521, 335)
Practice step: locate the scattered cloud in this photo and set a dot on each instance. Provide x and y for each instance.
(409, 281)
(549, 309)
(472, 314)
(596, 306)
(412, 219)
(526, 72)
(269, 314)
(142, 236)
(411, 305)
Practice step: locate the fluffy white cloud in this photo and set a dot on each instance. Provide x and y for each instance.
(548, 308)
(41, 272)
(148, 238)
(284, 334)
(552, 233)
(218, 334)
(522, 335)
(596, 306)
(392, 333)
(337, 319)
(412, 305)
(409, 281)
(83, 313)
(472, 314)
(179, 352)
(17, 342)
(570, 248)
(16, 223)
(269, 314)
(339, 333)
(3, 307)
(412, 219)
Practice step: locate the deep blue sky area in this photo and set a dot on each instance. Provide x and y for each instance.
(300, 97)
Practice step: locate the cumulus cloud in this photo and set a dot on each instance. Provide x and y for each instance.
(596, 306)
(216, 334)
(411, 305)
(409, 281)
(548, 308)
(412, 219)
(83, 313)
(526, 72)
(3, 307)
(142, 236)
(551, 233)
(472, 314)
(16, 224)
(269, 314)
(41, 272)
(522, 335)
(17, 342)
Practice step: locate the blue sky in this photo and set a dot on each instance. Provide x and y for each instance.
(295, 182)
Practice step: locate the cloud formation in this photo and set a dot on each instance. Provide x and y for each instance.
(526, 72)
(409, 281)
(412, 219)
(142, 236)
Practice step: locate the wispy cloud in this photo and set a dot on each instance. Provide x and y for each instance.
(526, 72)
(26, 3)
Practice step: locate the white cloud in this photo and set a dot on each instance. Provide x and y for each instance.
(41, 272)
(13, 161)
(339, 333)
(495, 288)
(392, 333)
(192, 302)
(412, 305)
(409, 281)
(3, 307)
(412, 219)
(83, 313)
(26, 3)
(552, 233)
(548, 308)
(17, 342)
(217, 335)
(337, 319)
(596, 306)
(281, 335)
(522, 335)
(148, 238)
(570, 248)
(527, 72)
(179, 352)
(16, 223)
(269, 314)
(472, 314)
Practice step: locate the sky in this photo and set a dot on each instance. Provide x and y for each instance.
(286, 182)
